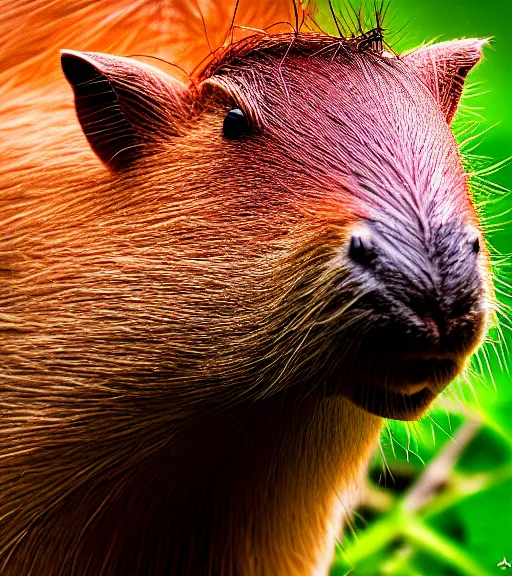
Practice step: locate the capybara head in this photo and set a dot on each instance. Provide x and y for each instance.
(297, 215)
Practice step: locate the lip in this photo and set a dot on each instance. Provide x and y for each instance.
(405, 387)
(388, 403)
(413, 373)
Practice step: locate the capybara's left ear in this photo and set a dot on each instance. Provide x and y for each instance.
(124, 106)
(443, 68)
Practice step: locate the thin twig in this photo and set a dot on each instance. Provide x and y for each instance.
(437, 474)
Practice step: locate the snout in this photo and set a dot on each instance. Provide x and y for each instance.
(430, 339)
(428, 313)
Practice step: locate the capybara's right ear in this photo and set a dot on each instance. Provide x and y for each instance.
(123, 105)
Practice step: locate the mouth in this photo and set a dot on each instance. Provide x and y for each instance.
(403, 388)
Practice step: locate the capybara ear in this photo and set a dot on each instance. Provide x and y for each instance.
(124, 106)
(443, 68)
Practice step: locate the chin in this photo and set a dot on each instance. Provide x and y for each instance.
(403, 388)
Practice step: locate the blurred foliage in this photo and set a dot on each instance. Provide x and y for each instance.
(438, 500)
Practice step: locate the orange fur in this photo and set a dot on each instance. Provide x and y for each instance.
(181, 32)
(162, 325)
(76, 237)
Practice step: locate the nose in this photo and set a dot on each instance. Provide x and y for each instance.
(447, 325)
(432, 298)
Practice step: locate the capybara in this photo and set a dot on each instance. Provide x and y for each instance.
(217, 277)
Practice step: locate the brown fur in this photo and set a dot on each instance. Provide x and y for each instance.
(160, 345)
(77, 238)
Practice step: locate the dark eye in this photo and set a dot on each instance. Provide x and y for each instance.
(476, 245)
(235, 124)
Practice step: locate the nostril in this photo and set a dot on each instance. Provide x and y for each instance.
(465, 328)
(361, 250)
(461, 308)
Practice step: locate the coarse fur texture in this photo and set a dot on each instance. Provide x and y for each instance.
(193, 369)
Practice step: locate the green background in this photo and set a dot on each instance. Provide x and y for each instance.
(459, 457)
